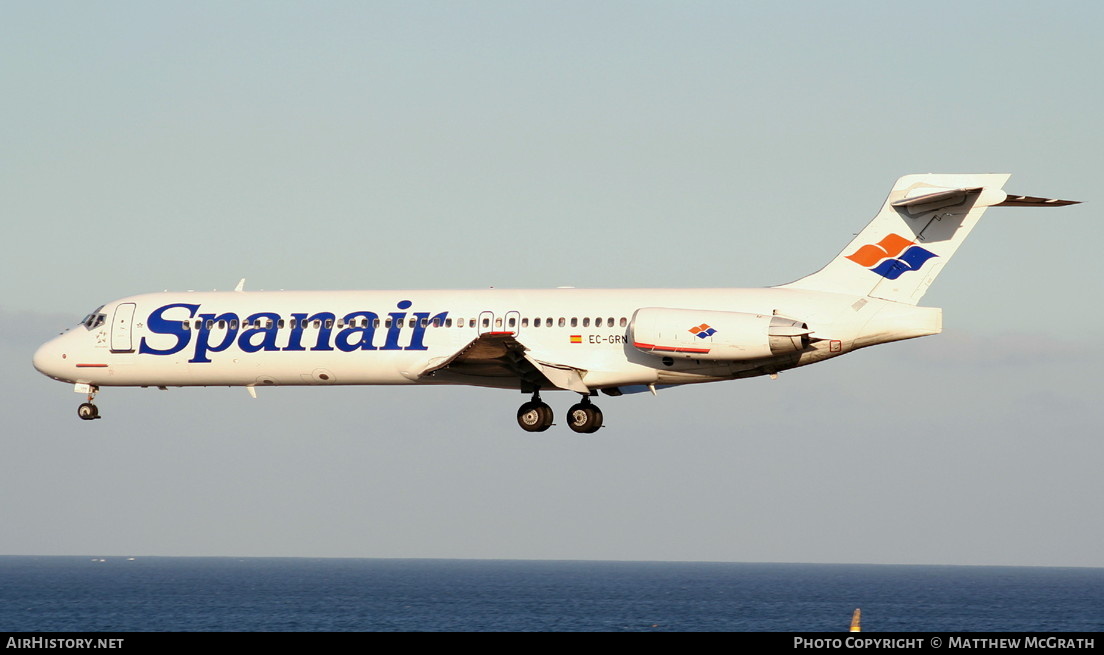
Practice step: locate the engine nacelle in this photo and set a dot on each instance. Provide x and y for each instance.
(715, 336)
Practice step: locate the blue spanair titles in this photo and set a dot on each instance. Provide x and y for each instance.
(271, 332)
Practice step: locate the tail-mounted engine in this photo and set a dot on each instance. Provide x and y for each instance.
(715, 336)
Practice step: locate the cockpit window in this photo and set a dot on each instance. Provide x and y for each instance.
(95, 319)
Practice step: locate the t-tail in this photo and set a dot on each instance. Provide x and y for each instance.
(919, 228)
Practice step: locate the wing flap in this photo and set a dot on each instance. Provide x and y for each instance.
(498, 356)
(562, 377)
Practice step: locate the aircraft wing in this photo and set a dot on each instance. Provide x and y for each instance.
(499, 357)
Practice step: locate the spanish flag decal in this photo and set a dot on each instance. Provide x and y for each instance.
(576, 338)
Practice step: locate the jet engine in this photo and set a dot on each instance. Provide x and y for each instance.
(715, 336)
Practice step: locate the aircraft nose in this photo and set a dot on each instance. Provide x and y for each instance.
(49, 359)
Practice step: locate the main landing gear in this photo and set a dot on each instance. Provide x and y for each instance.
(87, 411)
(536, 416)
(584, 417)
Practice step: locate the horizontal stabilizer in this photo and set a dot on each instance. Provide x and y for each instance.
(1033, 201)
(927, 202)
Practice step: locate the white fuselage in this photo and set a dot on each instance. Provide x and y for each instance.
(258, 338)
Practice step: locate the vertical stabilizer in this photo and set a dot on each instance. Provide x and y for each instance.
(919, 228)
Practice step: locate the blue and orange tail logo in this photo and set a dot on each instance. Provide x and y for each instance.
(892, 257)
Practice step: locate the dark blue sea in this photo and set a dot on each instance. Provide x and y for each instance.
(119, 594)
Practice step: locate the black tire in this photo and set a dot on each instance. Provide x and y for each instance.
(88, 411)
(598, 418)
(534, 417)
(547, 416)
(584, 418)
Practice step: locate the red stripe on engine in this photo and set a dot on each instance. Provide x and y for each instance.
(650, 346)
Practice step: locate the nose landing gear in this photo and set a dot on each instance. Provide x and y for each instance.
(87, 411)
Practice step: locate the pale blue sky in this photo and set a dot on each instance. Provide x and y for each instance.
(149, 146)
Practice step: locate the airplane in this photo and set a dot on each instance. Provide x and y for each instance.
(586, 341)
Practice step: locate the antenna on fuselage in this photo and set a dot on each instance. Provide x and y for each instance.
(241, 285)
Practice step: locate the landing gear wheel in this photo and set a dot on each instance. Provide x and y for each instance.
(534, 416)
(88, 411)
(584, 418)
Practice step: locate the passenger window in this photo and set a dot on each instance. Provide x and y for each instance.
(586, 321)
(524, 322)
(562, 321)
(187, 325)
(624, 321)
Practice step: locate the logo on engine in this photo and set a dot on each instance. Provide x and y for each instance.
(892, 257)
(703, 331)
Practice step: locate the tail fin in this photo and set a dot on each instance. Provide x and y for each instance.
(919, 228)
